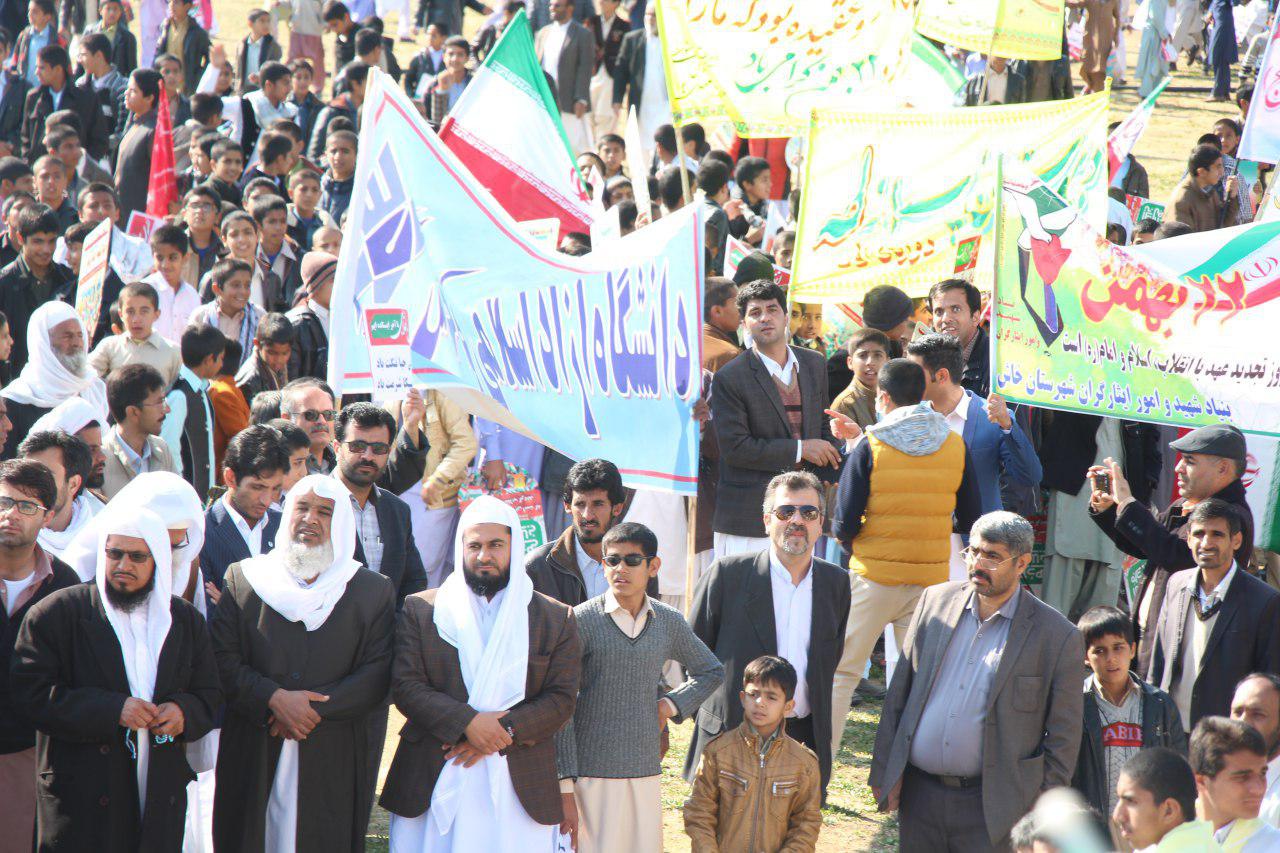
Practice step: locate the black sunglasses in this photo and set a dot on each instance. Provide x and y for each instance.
(379, 448)
(313, 415)
(632, 560)
(115, 555)
(808, 512)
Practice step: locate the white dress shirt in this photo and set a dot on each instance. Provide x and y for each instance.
(592, 571)
(176, 308)
(252, 535)
(793, 622)
(486, 610)
(1270, 811)
(552, 47)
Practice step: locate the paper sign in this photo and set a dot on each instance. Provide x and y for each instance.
(389, 355)
(1143, 208)
(141, 224)
(521, 494)
(95, 259)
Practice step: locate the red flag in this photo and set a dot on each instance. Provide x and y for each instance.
(162, 188)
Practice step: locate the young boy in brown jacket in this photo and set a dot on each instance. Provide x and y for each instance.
(755, 762)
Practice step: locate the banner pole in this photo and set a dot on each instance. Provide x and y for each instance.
(685, 192)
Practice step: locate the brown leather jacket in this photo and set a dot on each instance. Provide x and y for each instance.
(748, 803)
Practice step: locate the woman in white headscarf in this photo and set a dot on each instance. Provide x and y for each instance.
(55, 371)
(304, 637)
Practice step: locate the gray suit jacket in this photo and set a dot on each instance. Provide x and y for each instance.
(577, 62)
(1035, 710)
(117, 471)
(755, 437)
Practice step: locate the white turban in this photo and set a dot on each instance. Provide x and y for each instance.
(70, 416)
(44, 380)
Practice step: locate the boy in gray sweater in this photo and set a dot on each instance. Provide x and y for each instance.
(609, 756)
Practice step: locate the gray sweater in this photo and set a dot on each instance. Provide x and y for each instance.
(614, 732)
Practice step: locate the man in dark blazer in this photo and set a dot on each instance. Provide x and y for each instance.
(13, 99)
(985, 710)
(628, 70)
(767, 409)
(195, 44)
(94, 708)
(133, 159)
(736, 610)
(567, 51)
(124, 45)
(241, 524)
(1218, 624)
(442, 701)
(56, 84)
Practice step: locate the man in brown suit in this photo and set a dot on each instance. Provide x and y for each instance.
(485, 672)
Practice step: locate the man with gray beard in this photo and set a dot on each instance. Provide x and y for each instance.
(57, 370)
(302, 636)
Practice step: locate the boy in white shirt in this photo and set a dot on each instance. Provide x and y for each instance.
(178, 299)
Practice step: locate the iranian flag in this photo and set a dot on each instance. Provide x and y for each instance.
(506, 129)
(1120, 143)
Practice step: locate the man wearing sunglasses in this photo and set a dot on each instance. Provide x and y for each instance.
(780, 601)
(308, 403)
(907, 485)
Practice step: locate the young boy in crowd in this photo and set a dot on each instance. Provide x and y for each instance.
(200, 213)
(757, 788)
(139, 306)
(339, 178)
(305, 214)
(188, 429)
(275, 159)
(230, 410)
(613, 153)
(1229, 759)
(178, 299)
(231, 311)
(1144, 231)
(1122, 713)
(277, 277)
(41, 30)
(51, 187)
(34, 278)
(200, 152)
(228, 166)
(627, 638)
(304, 100)
(259, 187)
(267, 367)
(327, 240)
(240, 236)
(256, 49)
(784, 247)
(868, 351)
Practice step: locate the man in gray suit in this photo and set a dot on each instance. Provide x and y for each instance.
(567, 52)
(981, 658)
(766, 408)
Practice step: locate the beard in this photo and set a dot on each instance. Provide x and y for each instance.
(77, 362)
(128, 602)
(306, 563)
(794, 541)
(485, 586)
(97, 479)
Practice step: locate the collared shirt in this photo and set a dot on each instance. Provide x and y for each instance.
(56, 95)
(997, 86)
(252, 56)
(252, 535)
(116, 351)
(322, 314)
(14, 594)
(629, 625)
(949, 737)
(137, 463)
(178, 36)
(793, 623)
(175, 422)
(368, 531)
(1219, 591)
(552, 47)
(176, 307)
(784, 373)
(1270, 811)
(266, 112)
(592, 571)
(486, 610)
(39, 39)
(1248, 836)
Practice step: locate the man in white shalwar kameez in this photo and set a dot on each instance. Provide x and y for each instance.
(486, 673)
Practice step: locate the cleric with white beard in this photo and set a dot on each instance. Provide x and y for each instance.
(303, 640)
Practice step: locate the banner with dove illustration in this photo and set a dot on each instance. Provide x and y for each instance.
(1166, 334)
(596, 356)
(908, 197)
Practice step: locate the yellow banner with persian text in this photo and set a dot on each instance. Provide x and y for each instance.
(764, 65)
(1015, 29)
(907, 198)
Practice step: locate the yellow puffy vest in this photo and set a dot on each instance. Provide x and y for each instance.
(906, 531)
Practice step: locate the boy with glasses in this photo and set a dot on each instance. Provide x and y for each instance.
(610, 785)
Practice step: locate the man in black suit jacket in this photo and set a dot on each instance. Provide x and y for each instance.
(736, 611)
(195, 44)
(133, 159)
(1218, 624)
(13, 98)
(767, 409)
(241, 524)
(55, 77)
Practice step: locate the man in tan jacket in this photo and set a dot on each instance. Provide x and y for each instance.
(1196, 201)
(433, 503)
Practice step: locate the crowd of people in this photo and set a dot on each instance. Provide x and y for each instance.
(219, 577)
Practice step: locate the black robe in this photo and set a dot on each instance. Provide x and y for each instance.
(68, 677)
(348, 659)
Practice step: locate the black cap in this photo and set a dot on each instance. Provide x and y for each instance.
(885, 307)
(1222, 440)
(756, 265)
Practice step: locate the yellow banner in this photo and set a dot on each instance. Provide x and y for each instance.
(765, 64)
(907, 198)
(1015, 29)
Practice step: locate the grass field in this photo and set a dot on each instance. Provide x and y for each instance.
(850, 821)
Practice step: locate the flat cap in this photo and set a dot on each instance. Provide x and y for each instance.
(1222, 440)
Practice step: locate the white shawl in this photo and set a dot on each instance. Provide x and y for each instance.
(71, 416)
(56, 542)
(494, 672)
(141, 634)
(310, 605)
(44, 381)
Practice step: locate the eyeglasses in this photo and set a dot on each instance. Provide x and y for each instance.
(808, 512)
(313, 415)
(379, 448)
(975, 558)
(24, 507)
(632, 560)
(138, 558)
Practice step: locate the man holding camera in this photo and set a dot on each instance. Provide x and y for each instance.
(1211, 465)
